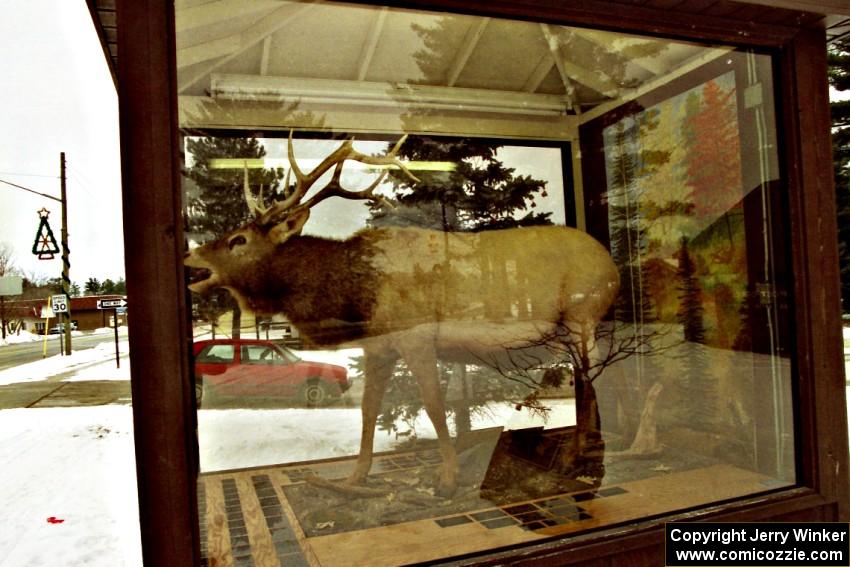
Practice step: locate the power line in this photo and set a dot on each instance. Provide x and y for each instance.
(81, 179)
(28, 174)
(30, 190)
(73, 177)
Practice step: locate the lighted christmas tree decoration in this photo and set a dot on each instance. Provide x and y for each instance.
(45, 245)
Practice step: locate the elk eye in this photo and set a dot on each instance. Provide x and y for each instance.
(237, 241)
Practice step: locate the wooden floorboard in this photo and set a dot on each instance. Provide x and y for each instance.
(218, 533)
(443, 535)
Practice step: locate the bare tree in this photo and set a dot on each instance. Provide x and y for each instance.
(7, 268)
(587, 352)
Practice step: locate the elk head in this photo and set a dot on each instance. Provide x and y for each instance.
(248, 248)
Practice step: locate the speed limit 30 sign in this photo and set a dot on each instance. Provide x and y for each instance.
(59, 303)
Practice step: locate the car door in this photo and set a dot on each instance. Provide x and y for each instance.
(267, 370)
(214, 363)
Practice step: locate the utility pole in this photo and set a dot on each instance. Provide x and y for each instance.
(66, 264)
(48, 254)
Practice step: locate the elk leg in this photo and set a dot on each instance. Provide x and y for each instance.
(424, 368)
(377, 374)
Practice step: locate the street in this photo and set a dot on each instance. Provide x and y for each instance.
(14, 355)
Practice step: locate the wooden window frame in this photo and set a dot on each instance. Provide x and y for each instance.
(164, 415)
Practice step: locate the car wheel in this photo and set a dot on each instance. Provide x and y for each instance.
(315, 393)
(199, 393)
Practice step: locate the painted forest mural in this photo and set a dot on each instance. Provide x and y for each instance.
(674, 181)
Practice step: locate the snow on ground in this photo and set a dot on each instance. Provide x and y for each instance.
(75, 465)
(27, 337)
(77, 362)
(69, 490)
(292, 435)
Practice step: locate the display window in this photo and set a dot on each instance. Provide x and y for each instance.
(461, 284)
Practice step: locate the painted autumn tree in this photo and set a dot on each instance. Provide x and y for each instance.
(713, 159)
(219, 205)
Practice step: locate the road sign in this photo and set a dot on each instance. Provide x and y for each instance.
(111, 303)
(11, 285)
(59, 303)
(121, 311)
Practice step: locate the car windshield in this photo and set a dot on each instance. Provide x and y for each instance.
(290, 356)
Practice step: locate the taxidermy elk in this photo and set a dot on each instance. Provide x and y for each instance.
(407, 293)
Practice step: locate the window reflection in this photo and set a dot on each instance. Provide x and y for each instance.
(525, 299)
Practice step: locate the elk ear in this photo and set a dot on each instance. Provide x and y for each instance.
(290, 226)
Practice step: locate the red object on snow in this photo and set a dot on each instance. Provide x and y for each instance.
(54, 520)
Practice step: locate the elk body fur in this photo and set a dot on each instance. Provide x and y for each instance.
(414, 295)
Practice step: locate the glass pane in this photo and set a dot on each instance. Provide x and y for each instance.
(523, 300)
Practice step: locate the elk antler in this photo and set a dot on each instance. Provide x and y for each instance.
(255, 204)
(336, 160)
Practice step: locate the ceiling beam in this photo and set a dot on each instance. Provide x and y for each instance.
(705, 56)
(604, 41)
(187, 18)
(558, 60)
(249, 37)
(264, 58)
(252, 88)
(541, 70)
(595, 79)
(205, 112)
(368, 51)
(473, 36)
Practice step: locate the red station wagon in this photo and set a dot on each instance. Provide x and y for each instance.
(251, 368)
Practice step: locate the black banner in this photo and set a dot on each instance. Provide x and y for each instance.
(758, 544)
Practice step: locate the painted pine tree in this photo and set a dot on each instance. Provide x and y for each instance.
(699, 391)
(630, 162)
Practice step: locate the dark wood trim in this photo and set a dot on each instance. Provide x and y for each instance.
(164, 419)
(822, 442)
(166, 449)
(643, 543)
(104, 41)
(617, 17)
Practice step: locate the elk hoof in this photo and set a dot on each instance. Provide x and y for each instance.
(355, 480)
(446, 488)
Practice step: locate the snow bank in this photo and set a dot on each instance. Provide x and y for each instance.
(22, 337)
(55, 365)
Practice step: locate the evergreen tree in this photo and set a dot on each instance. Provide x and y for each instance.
(698, 390)
(108, 287)
(219, 205)
(479, 193)
(628, 241)
(839, 78)
(690, 314)
(92, 286)
(627, 222)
